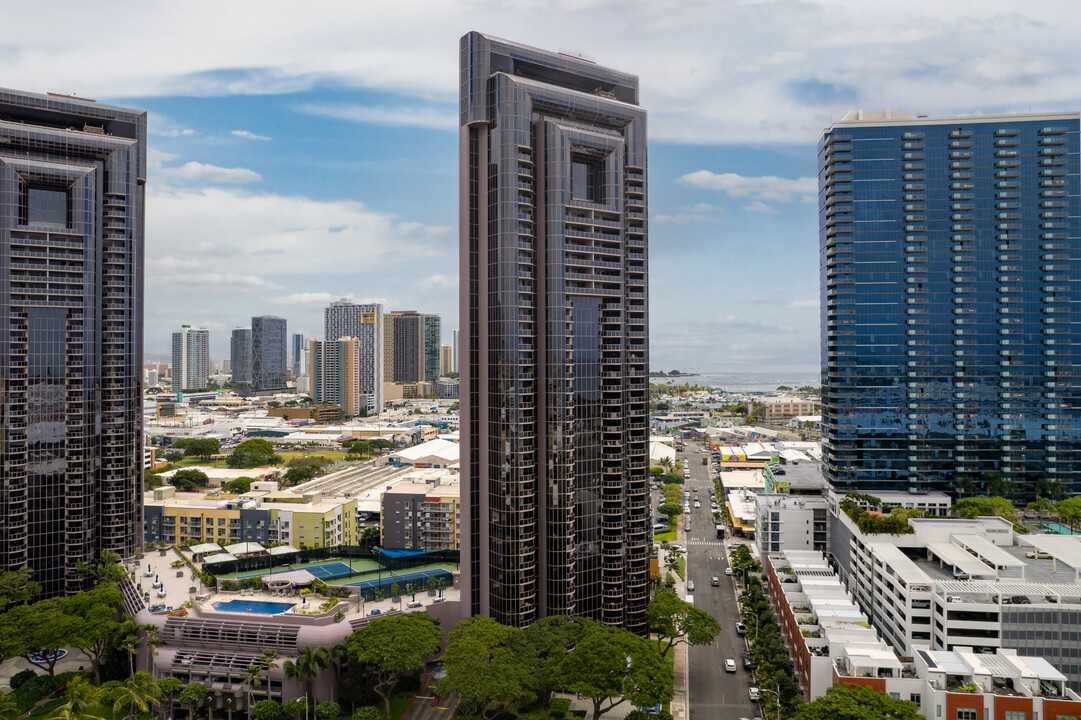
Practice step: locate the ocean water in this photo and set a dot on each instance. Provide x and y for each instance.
(744, 382)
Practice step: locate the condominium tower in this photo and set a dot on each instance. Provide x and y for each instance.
(72, 176)
(268, 353)
(554, 319)
(411, 346)
(344, 319)
(240, 355)
(191, 358)
(336, 375)
(950, 251)
(298, 353)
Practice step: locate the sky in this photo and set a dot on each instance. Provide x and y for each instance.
(304, 152)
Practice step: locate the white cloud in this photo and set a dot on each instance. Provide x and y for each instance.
(766, 187)
(683, 218)
(441, 280)
(760, 207)
(202, 172)
(423, 117)
(803, 304)
(214, 279)
(322, 299)
(710, 72)
(249, 135)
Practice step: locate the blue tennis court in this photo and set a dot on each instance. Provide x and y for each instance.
(389, 578)
(323, 571)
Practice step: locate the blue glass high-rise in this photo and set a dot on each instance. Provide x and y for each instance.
(949, 256)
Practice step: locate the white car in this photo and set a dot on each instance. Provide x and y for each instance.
(730, 665)
(752, 693)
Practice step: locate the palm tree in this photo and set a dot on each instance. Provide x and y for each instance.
(307, 667)
(9, 708)
(269, 663)
(666, 463)
(82, 696)
(253, 678)
(138, 692)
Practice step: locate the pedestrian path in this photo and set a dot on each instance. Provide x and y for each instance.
(705, 543)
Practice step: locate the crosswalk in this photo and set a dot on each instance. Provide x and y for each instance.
(705, 543)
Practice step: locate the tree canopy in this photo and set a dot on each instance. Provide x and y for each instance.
(674, 620)
(189, 480)
(17, 587)
(857, 702)
(484, 667)
(255, 452)
(238, 485)
(610, 666)
(391, 646)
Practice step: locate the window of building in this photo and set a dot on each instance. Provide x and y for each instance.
(966, 714)
(586, 174)
(1016, 715)
(914, 697)
(48, 207)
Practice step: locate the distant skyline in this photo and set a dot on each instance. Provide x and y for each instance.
(303, 154)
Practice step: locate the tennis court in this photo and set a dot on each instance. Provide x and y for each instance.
(323, 571)
(419, 578)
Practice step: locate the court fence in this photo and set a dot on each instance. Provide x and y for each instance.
(388, 561)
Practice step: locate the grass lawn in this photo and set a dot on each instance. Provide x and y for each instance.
(677, 565)
(668, 535)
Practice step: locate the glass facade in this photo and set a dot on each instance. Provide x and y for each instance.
(949, 256)
(240, 355)
(268, 342)
(72, 175)
(191, 358)
(554, 366)
(365, 323)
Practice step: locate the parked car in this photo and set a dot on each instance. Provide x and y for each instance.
(741, 628)
(730, 665)
(746, 663)
(1038, 555)
(690, 586)
(752, 693)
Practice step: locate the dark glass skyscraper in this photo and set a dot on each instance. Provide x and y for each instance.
(72, 175)
(268, 341)
(950, 257)
(240, 355)
(554, 314)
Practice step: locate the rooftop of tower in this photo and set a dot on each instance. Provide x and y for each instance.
(897, 117)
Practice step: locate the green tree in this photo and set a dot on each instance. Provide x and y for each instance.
(545, 643)
(674, 620)
(665, 463)
(17, 587)
(670, 509)
(37, 632)
(295, 708)
(255, 452)
(82, 697)
(611, 665)
(857, 702)
(367, 712)
(203, 448)
(9, 707)
(672, 478)
(390, 646)
(270, 661)
(965, 485)
(267, 710)
(169, 687)
(327, 710)
(369, 537)
(193, 695)
(139, 692)
(484, 667)
(978, 505)
(307, 667)
(94, 625)
(189, 480)
(239, 485)
(1069, 510)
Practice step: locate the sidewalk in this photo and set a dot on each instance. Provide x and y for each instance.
(680, 706)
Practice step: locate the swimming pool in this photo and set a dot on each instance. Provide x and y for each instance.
(259, 607)
(1059, 528)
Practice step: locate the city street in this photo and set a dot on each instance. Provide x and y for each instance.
(713, 693)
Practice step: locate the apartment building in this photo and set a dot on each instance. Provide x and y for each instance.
(240, 355)
(71, 333)
(791, 522)
(831, 642)
(782, 407)
(965, 583)
(336, 369)
(949, 290)
(421, 516)
(365, 322)
(191, 358)
(268, 352)
(301, 520)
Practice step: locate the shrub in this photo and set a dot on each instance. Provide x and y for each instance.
(367, 713)
(559, 708)
(21, 678)
(267, 710)
(327, 711)
(637, 715)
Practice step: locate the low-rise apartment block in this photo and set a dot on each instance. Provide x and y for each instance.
(782, 407)
(422, 515)
(264, 516)
(791, 522)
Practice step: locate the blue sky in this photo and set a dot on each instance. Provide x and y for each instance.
(305, 152)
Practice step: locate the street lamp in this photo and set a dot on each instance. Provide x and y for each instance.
(778, 694)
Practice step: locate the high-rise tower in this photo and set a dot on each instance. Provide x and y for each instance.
(554, 317)
(268, 341)
(191, 358)
(240, 355)
(72, 176)
(344, 319)
(950, 257)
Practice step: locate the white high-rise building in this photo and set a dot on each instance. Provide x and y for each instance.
(345, 319)
(191, 358)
